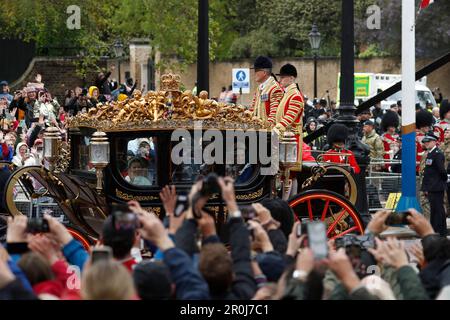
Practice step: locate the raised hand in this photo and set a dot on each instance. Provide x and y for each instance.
(168, 197)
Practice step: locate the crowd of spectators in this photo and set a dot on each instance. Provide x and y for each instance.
(183, 258)
(25, 113)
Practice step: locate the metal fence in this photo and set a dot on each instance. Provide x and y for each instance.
(383, 185)
(34, 208)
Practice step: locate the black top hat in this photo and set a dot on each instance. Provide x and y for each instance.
(429, 137)
(288, 70)
(262, 62)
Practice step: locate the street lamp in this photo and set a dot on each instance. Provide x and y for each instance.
(118, 51)
(314, 40)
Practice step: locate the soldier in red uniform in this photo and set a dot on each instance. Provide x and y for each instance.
(424, 124)
(389, 125)
(336, 136)
(444, 113)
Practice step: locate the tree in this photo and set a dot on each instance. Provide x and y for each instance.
(432, 29)
(286, 24)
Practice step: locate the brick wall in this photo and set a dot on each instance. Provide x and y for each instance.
(58, 75)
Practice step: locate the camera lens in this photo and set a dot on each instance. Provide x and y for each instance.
(210, 185)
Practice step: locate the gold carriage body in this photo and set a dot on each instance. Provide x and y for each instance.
(154, 117)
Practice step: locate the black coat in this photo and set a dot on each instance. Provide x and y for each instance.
(103, 85)
(435, 175)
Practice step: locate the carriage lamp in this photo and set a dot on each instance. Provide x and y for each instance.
(99, 155)
(52, 141)
(288, 149)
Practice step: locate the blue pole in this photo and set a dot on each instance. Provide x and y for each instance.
(408, 198)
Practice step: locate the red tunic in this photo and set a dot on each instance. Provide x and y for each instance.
(273, 93)
(340, 156)
(439, 132)
(290, 112)
(389, 141)
(419, 148)
(444, 125)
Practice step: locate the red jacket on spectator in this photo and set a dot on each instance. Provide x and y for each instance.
(58, 287)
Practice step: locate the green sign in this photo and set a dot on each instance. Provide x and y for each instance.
(362, 86)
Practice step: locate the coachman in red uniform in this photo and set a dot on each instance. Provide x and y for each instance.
(336, 136)
(290, 109)
(269, 92)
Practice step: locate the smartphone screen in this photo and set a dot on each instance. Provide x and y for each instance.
(397, 218)
(317, 238)
(181, 205)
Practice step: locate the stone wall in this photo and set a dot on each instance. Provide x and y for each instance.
(58, 75)
(327, 74)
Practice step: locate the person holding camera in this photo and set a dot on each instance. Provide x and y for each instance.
(23, 102)
(434, 183)
(187, 279)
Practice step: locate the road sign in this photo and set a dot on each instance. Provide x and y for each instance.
(241, 80)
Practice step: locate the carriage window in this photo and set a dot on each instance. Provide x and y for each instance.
(137, 160)
(240, 170)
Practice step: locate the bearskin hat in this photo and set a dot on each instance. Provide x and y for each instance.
(424, 118)
(390, 119)
(444, 108)
(337, 133)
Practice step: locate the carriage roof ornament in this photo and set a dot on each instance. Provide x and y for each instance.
(168, 109)
(170, 82)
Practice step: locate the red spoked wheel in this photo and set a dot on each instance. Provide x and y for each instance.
(85, 240)
(340, 216)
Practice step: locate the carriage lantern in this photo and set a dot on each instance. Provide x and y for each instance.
(52, 141)
(99, 155)
(288, 150)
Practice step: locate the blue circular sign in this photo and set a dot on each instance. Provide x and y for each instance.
(240, 75)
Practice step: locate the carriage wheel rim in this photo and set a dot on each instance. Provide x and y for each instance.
(9, 188)
(79, 237)
(332, 198)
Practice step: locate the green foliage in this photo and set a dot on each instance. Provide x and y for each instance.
(372, 51)
(238, 28)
